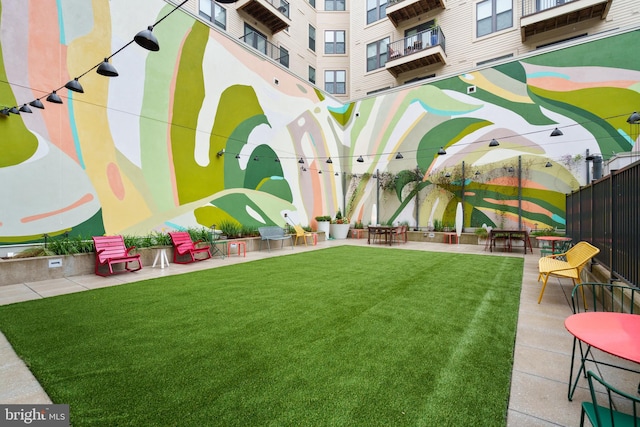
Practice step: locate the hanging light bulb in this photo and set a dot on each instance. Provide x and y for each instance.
(360, 160)
(494, 143)
(74, 85)
(25, 109)
(37, 104)
(399, 156)
(54, 97)
(556, 132)
(301, 160)
(441, 151)
(147, 40)
(106, 69)
(329, 160)
(634, 118)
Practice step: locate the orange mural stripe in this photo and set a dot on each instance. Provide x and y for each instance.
(83, 200)
(115, 180)
(562, 85)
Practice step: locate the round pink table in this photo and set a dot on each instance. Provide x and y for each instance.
(553, 240)
(617, 334)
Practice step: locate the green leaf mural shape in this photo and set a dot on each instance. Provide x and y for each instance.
(261, 171)
(17, 144)
(443, 135)
(588, 106)
(265, 208)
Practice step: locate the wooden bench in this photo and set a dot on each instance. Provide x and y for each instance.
(274, 233)
(111, 250)
(185, 247)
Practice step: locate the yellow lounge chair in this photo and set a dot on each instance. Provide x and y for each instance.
(576, 258)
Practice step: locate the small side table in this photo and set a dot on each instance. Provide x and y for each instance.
(356, 233)
(451, 237)
(161, 255)
(237, 244)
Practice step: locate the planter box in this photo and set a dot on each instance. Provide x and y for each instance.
(25, 270)
(339, 231)
(323, 227)
(439, 237)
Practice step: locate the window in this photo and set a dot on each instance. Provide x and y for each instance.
(335, 81)
(283, 8)
(312, 38)
(334, 42)
(493, 15)
(284, 57)
(334, 4)
(255, 39)
(377, 54)
(312, 74)
(219, 17)
(312, 3)
(376, 10)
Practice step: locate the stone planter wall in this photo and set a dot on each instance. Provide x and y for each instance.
(26, 270)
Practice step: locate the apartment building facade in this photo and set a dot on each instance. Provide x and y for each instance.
(355, 48)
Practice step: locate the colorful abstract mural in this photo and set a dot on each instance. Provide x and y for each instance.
(199, 133)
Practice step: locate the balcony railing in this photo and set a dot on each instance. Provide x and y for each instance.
(416, 43)
(264, 46)
(416, 51)
(541, 16)
(283, 6)
(529, 7)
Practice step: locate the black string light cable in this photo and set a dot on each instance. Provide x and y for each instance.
(144, 38)
(147, 40)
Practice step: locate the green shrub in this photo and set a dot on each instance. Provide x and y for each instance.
(230, 228)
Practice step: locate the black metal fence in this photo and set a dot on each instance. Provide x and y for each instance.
(605, 213)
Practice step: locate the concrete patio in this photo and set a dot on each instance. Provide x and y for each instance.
(542, 350)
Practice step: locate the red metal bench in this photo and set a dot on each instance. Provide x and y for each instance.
(184, 246)
(111, 250)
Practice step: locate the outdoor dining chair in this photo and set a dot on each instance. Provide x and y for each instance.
(302, 234)
(604, 409)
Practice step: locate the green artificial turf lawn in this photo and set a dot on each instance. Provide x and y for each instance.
(344, 336)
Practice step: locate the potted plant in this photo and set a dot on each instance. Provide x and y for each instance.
(323, 225)
(339, 227)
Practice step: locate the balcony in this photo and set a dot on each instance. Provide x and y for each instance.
(416, 51)
(540, 16)
(399, 11)
(273, 14)
(256, 41)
